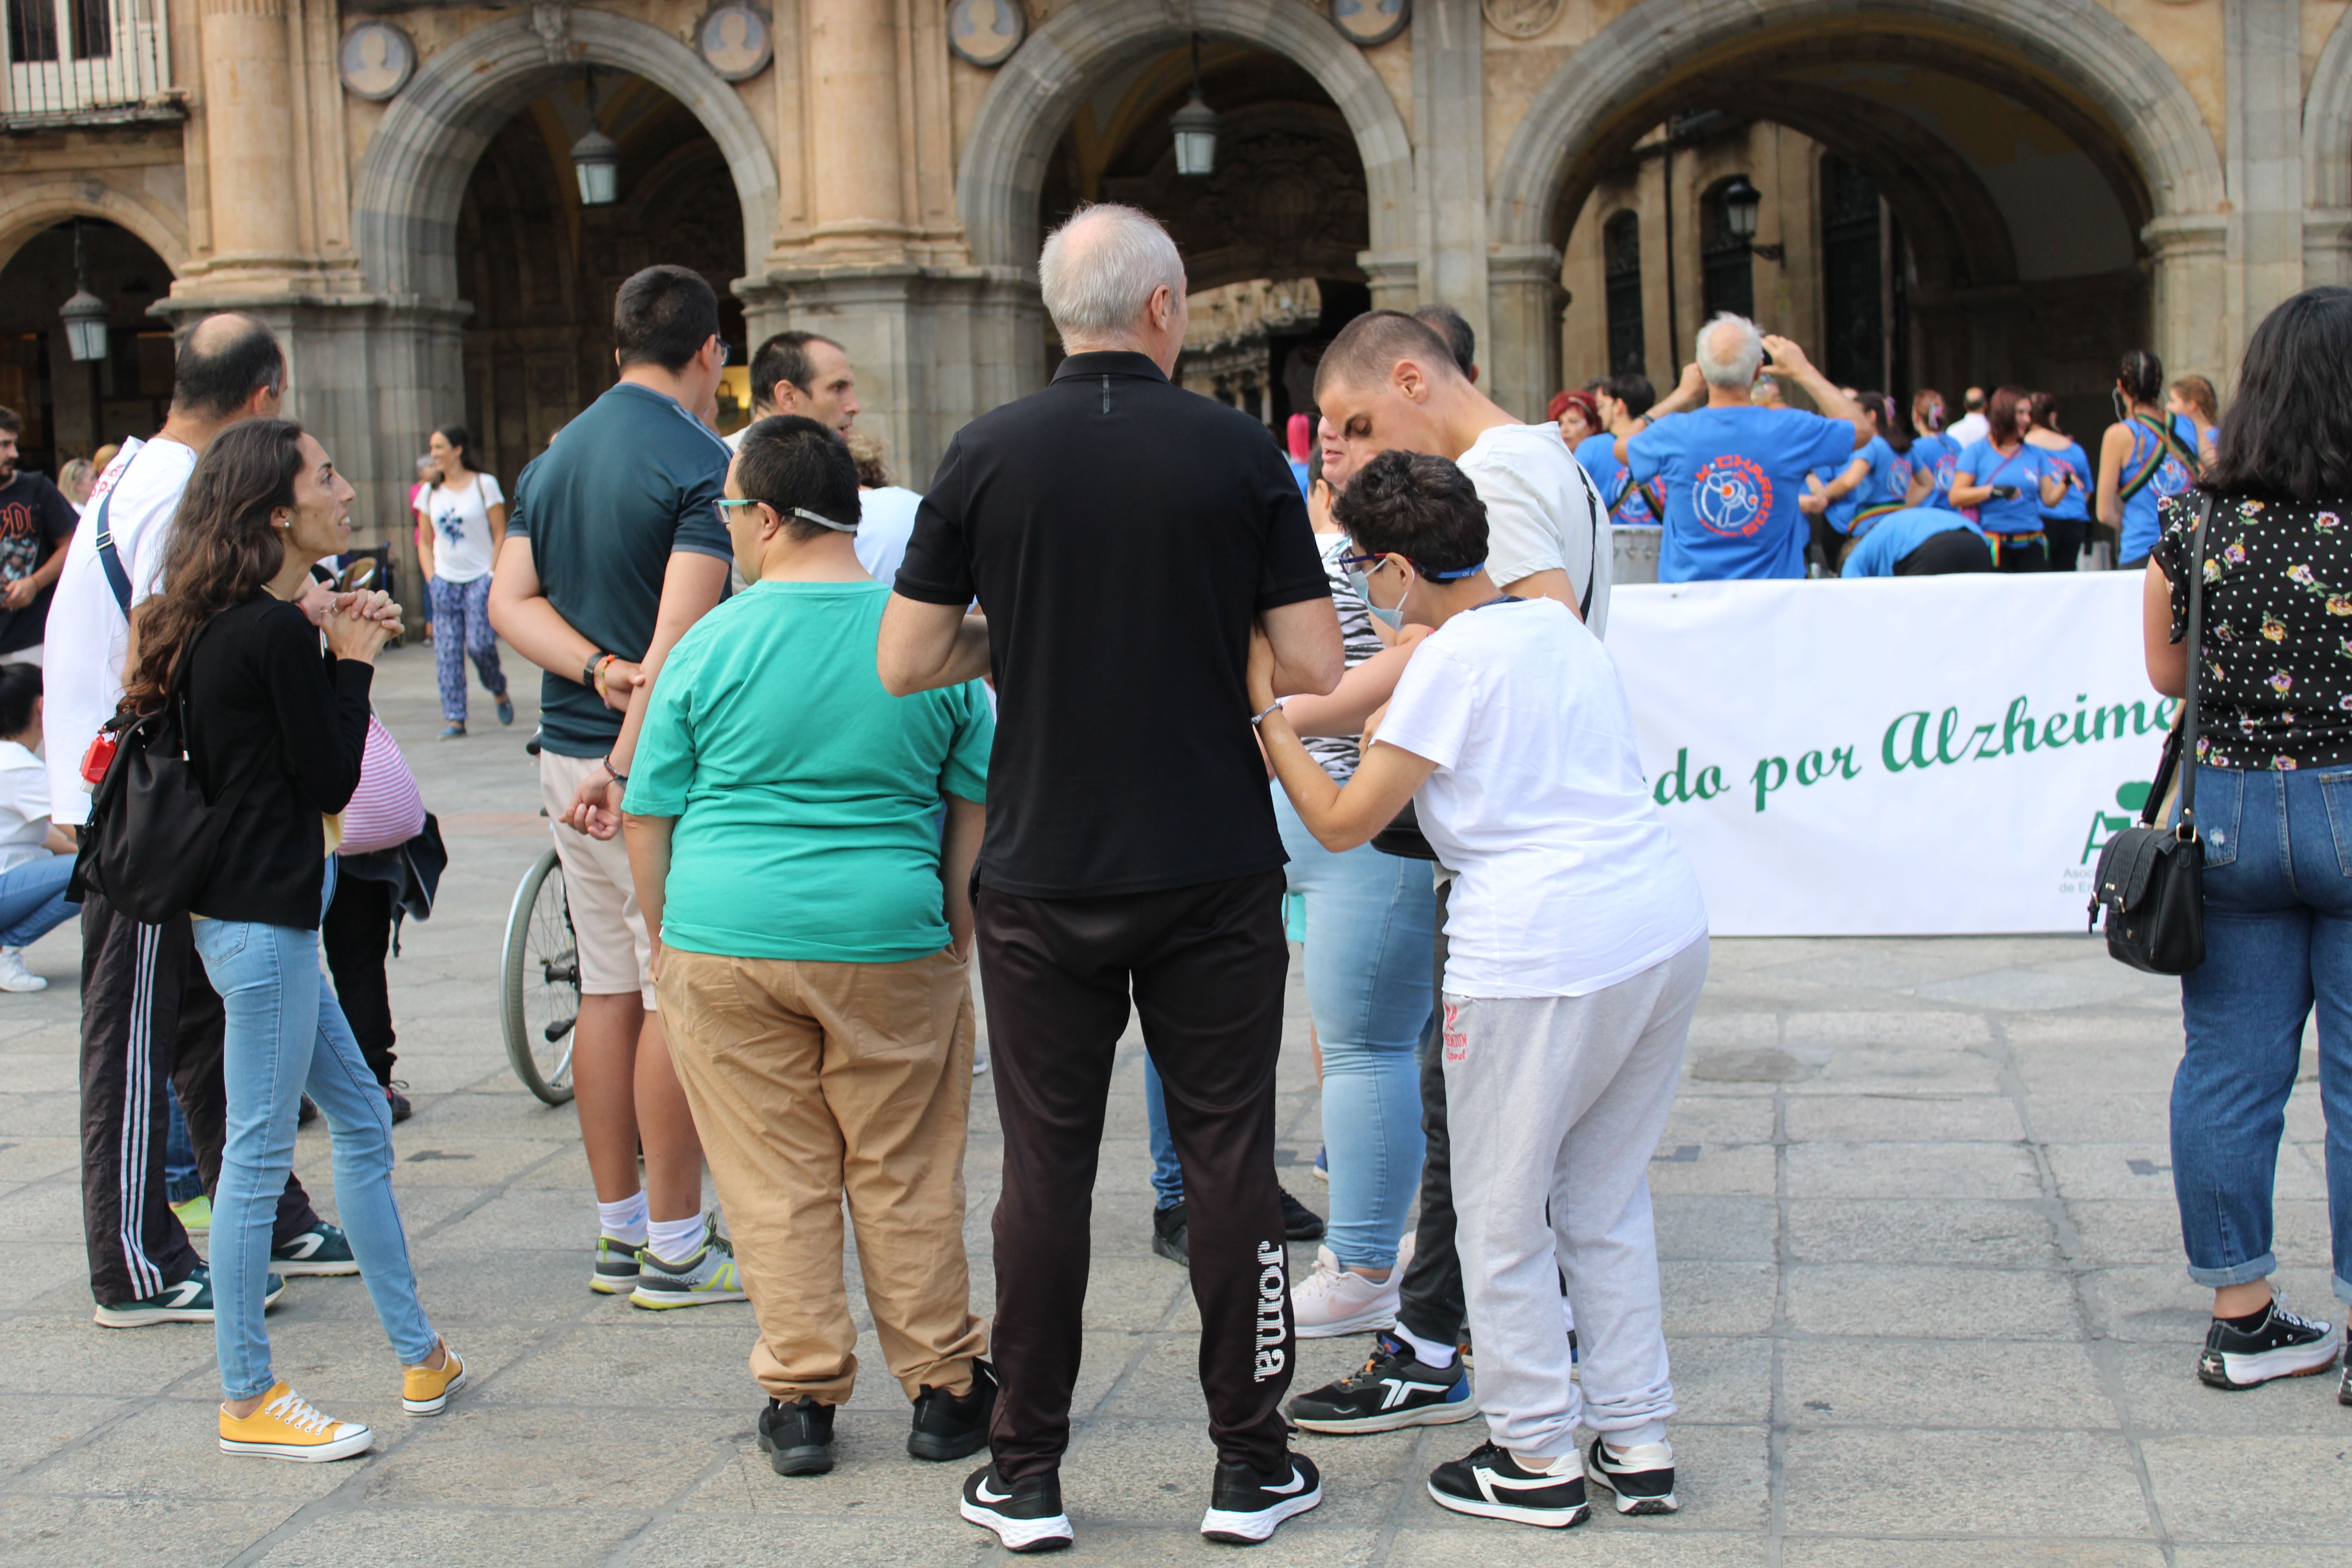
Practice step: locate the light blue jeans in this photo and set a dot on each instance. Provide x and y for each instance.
(286, 1033)
(2278, 942)
(33, 900)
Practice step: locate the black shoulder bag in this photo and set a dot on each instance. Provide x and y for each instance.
(2151, 878)
(151, 844)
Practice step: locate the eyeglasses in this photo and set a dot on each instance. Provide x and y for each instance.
(1363, 562)
(719, 509)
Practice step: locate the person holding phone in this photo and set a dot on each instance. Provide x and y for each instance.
(2009, 483)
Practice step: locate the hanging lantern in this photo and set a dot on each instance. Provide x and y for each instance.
(1741, 203)
(85, 316)
(1195, 127)
(596, 158)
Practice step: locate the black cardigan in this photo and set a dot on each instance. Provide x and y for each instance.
(268, 712)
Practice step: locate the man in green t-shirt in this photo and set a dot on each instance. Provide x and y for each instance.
(784, 817)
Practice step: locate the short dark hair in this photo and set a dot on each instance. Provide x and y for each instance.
(1634, 390)
(1417, 506)
(663, 316)
(14, 424)
(1449, 323)
(1369, 347)
(784, 357)
(20, 687)
(218, 372)
(788, 461)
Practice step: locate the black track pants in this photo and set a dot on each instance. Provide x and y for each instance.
(1206, 966)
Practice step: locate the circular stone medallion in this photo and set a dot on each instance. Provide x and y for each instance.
(1521, 18)
(376, 60)
(736, 40)
(1369, 22)
(984, 33)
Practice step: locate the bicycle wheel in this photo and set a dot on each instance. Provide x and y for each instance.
(542, 983)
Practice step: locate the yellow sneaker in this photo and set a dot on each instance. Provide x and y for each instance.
(425, 1390)
(287, 1427)
(196, 1214)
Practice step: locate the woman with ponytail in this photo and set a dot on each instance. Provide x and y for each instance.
(2148, 454)
(275, 731)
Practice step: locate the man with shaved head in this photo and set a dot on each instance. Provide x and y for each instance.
(1123, 536)
(151, 1023)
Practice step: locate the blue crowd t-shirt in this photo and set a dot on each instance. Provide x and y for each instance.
(1938, 455)
(2021, 514)
(1886, 483)
(1899, 533)
(2075, 506)
(1732, 477)
(2171, 478)
(1629, 503)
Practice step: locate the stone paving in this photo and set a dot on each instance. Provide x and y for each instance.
(1922, 1284)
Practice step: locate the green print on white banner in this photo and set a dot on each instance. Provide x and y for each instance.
(1921, 739)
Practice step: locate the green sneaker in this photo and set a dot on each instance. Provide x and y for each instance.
(321, 1250)
(189, 1301)
(708, 1277)
(616, 1267)
(196, 1214)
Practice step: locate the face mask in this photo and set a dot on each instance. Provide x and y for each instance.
(1392, 619)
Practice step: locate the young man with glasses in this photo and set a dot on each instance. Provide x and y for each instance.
(613, 553)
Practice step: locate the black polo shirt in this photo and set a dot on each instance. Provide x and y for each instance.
(1121, 536)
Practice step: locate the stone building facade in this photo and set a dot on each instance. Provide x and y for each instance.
(2037, 185)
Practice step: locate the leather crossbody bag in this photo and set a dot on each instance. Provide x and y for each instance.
(2151, 878)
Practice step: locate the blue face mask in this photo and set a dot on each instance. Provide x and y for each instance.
(1392, 619)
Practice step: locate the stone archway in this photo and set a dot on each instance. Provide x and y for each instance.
(1038, 89)
(2327, 161)
(412, 177)
(31, 205)
(1629, 61)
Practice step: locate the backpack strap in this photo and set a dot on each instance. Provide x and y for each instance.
(2167, 443)
(110, 560)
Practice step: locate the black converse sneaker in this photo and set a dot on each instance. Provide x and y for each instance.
(1246, 1505)
(948, 1427)
(1394, 1389)
(1169, 1235)
(1026, 1514)
(797, 1437)
(1640, 1478)
(2282, 1345)
(1491, 1484)
(2344, 1389)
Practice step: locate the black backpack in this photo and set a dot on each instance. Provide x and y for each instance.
(152, 841)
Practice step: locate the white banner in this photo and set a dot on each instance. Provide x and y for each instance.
(1893, 756)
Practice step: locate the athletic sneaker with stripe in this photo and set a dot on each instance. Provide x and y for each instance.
(189, 1301)
(1027, 1515)
(1395, 1389)
(1640, 1478)
(1492, 1484)
(708, 1277)
(1246, 1505)
(616, 1267)
(321, 1250)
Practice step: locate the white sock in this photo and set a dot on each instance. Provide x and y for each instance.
(675, 1240)
(1427, 1352)
(626, 1220)
(1567, 1464)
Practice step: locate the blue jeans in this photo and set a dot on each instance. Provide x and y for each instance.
(1370, 919)
(33, 900)
(2278, 937)
(286, 1034)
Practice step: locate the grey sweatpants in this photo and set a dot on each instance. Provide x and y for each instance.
(1564, 1097)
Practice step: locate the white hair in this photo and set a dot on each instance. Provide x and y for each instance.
(1730, 351)
(1098, 270)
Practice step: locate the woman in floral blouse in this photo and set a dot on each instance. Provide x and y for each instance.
(2274, 807)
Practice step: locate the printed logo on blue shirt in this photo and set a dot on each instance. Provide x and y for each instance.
(1732, 496)
(2171, 479)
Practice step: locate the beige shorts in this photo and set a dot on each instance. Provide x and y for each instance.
(616, 950)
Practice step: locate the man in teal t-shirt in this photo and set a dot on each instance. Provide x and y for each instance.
(784, 819)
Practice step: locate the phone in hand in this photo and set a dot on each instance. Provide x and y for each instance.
(2004, 492)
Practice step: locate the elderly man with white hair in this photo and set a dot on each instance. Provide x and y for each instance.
(1733, 470)
(1122, 536)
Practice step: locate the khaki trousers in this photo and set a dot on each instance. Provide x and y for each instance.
(810, 1081)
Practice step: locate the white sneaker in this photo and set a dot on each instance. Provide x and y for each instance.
(1334, 1300)
(13, 975)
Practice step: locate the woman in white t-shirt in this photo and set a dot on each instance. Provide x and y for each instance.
(36, 856)
(1576, 948)
(467, 513)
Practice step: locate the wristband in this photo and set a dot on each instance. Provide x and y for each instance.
(596, 661)
(1272, 707)
(616, 775)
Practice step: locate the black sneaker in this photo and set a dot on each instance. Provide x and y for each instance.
(2344, 1389)
(1395, 1389)
(1299, 1223)
(1245, 1504)
(1168, 1233)
(1491, 1484)
(1027, 1515)
(948, 1426)
(2284, 1345)
(307, 1113)
(797, 1437)
(401, 1109)
(1642, 1477)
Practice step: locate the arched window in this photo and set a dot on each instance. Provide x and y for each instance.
(1726, 275)
(1621, 269)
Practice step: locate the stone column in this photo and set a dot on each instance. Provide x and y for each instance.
(1524, 302)
(853, 58)
(2192, 271)
(2263, 166)
(248, 132)
(1449, 126)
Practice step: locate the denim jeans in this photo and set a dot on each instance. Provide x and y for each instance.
(1369, 920)
(33, 900)
(286, 1034)
(2278, 937)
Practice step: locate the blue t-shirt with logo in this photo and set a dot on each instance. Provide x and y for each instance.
(1984, 465)
(1732, 477)
(2075, 506)
(1629, 504)
(1938, 454)
(1886, 483)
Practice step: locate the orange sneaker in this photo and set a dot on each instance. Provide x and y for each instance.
(287, 1427)
(425, 1390)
